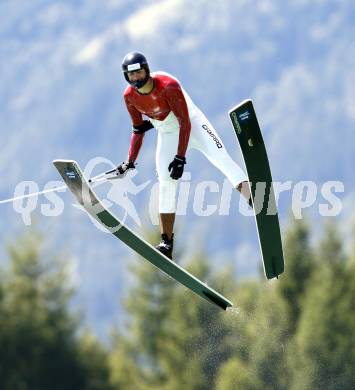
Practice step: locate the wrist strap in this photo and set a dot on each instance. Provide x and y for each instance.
(181, 159)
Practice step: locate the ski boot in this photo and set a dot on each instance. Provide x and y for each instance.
(166, 246)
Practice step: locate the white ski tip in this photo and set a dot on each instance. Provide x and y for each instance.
(56, 161)
(239, 105)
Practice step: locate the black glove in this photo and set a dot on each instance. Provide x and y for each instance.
(124, 167)
(176, 167)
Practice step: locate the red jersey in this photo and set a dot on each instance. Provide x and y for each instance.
(165, 97)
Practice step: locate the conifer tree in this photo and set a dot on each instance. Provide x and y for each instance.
(299, 265)
(235, 374)
(148, 306)
(175, 339)
(269, 333)
(325, 341)
(38, 334)
(199, 341)
(94, 359)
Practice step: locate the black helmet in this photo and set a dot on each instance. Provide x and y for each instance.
(135, 61)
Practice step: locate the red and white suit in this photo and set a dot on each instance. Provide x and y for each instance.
(181, 126)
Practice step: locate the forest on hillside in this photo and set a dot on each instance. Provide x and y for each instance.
(295, 333)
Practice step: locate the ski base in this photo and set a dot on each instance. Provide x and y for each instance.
(252, 145)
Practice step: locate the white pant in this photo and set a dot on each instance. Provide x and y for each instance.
(204, 138)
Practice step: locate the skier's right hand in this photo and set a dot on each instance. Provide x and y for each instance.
(176, 167)
(124, 167)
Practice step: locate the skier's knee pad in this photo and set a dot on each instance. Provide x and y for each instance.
(167, 196)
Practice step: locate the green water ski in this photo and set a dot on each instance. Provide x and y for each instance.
(83, 192)
(252, 145)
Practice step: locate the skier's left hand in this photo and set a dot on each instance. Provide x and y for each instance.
(176, 167)
(122, 169)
